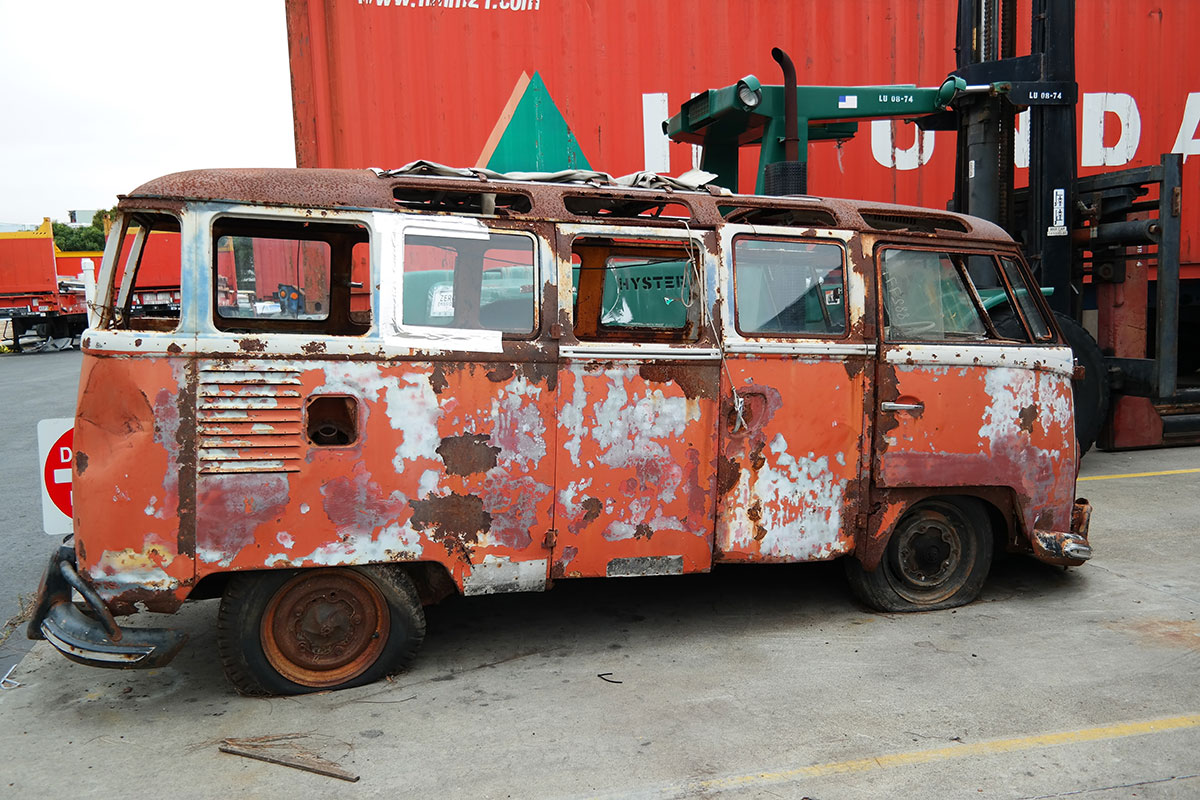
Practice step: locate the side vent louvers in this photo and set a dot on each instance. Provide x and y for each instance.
(249, 418)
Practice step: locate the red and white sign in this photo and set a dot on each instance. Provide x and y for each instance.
(56, 456)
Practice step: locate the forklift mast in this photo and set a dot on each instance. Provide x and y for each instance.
(1077, 233)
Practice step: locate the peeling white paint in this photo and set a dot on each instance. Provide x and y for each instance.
(394, 543)
(429, 483)
(285, 539)
(412, 409)
(800, 503)
(519, 431)
(496, 574)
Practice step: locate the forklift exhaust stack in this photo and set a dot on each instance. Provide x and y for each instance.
(789, 176)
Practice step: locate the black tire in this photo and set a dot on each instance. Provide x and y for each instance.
(310, 630)
(937, 557)
(1091, 394)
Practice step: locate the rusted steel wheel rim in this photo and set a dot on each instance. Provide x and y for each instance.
(325, 627)
(932, 554)
(929, 551)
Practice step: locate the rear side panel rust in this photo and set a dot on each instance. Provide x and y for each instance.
(636, 468)
(450, 463)
(134, 483)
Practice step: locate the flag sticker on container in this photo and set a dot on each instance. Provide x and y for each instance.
(847, 101)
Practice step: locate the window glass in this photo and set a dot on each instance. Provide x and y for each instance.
(261, 277)
(1025, 299)
(634, 290)
(477, 284)
(926, 298)
(291, 276)
(645, 293)
(789, 288)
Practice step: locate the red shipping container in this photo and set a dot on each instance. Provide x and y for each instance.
(384, 82)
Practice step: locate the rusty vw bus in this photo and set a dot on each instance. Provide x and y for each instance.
(384, 388)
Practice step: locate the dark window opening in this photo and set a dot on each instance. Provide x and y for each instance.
(789, 217)
(629, 207)
(149, 255)
(461, 201)
(912, 223)
(331, 421)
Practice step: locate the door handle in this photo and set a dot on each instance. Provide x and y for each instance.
(889, 406)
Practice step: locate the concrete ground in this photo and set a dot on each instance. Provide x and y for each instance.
(752, 682)
(33, 386)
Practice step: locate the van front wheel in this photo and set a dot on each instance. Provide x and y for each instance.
(297, 631)
(937, 557)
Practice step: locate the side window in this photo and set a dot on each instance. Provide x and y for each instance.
(926, 297)
(475, 284)
(1029, 306)
(628, 290)
(274, 275)
(788, 288)
(146, 281)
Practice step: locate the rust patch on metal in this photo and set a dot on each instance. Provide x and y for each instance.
(728, 472)
(559, 568)
(540, 372)
(1027, 416)
(468, 454)
(161, 601)
(81, 462)
(591, 511)
(501, 372)
(454, 521)
(185, 443)
(251, 345)
(437, 380)
(313, 348)
(757, 459)
(174, 349)
(754, 514)
(643, 531)
(693, 382)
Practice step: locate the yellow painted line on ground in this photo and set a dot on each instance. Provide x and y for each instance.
(985, 748)
(1136, 475)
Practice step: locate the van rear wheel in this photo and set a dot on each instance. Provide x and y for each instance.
(937, 557)
(297, 631)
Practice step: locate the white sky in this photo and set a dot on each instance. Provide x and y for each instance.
(98, 97)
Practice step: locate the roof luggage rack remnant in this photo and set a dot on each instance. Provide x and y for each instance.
(691, 181)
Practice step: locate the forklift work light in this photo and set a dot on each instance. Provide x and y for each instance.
(749, 91)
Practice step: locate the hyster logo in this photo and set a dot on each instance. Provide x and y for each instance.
(648, 283)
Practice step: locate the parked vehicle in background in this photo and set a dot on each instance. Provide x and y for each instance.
(41, 288)
(543, 381)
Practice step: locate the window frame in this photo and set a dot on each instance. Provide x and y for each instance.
(801, 336)
(120, 285)
(441, 331)
(951, 249)
(346, 234)
(619, 243)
